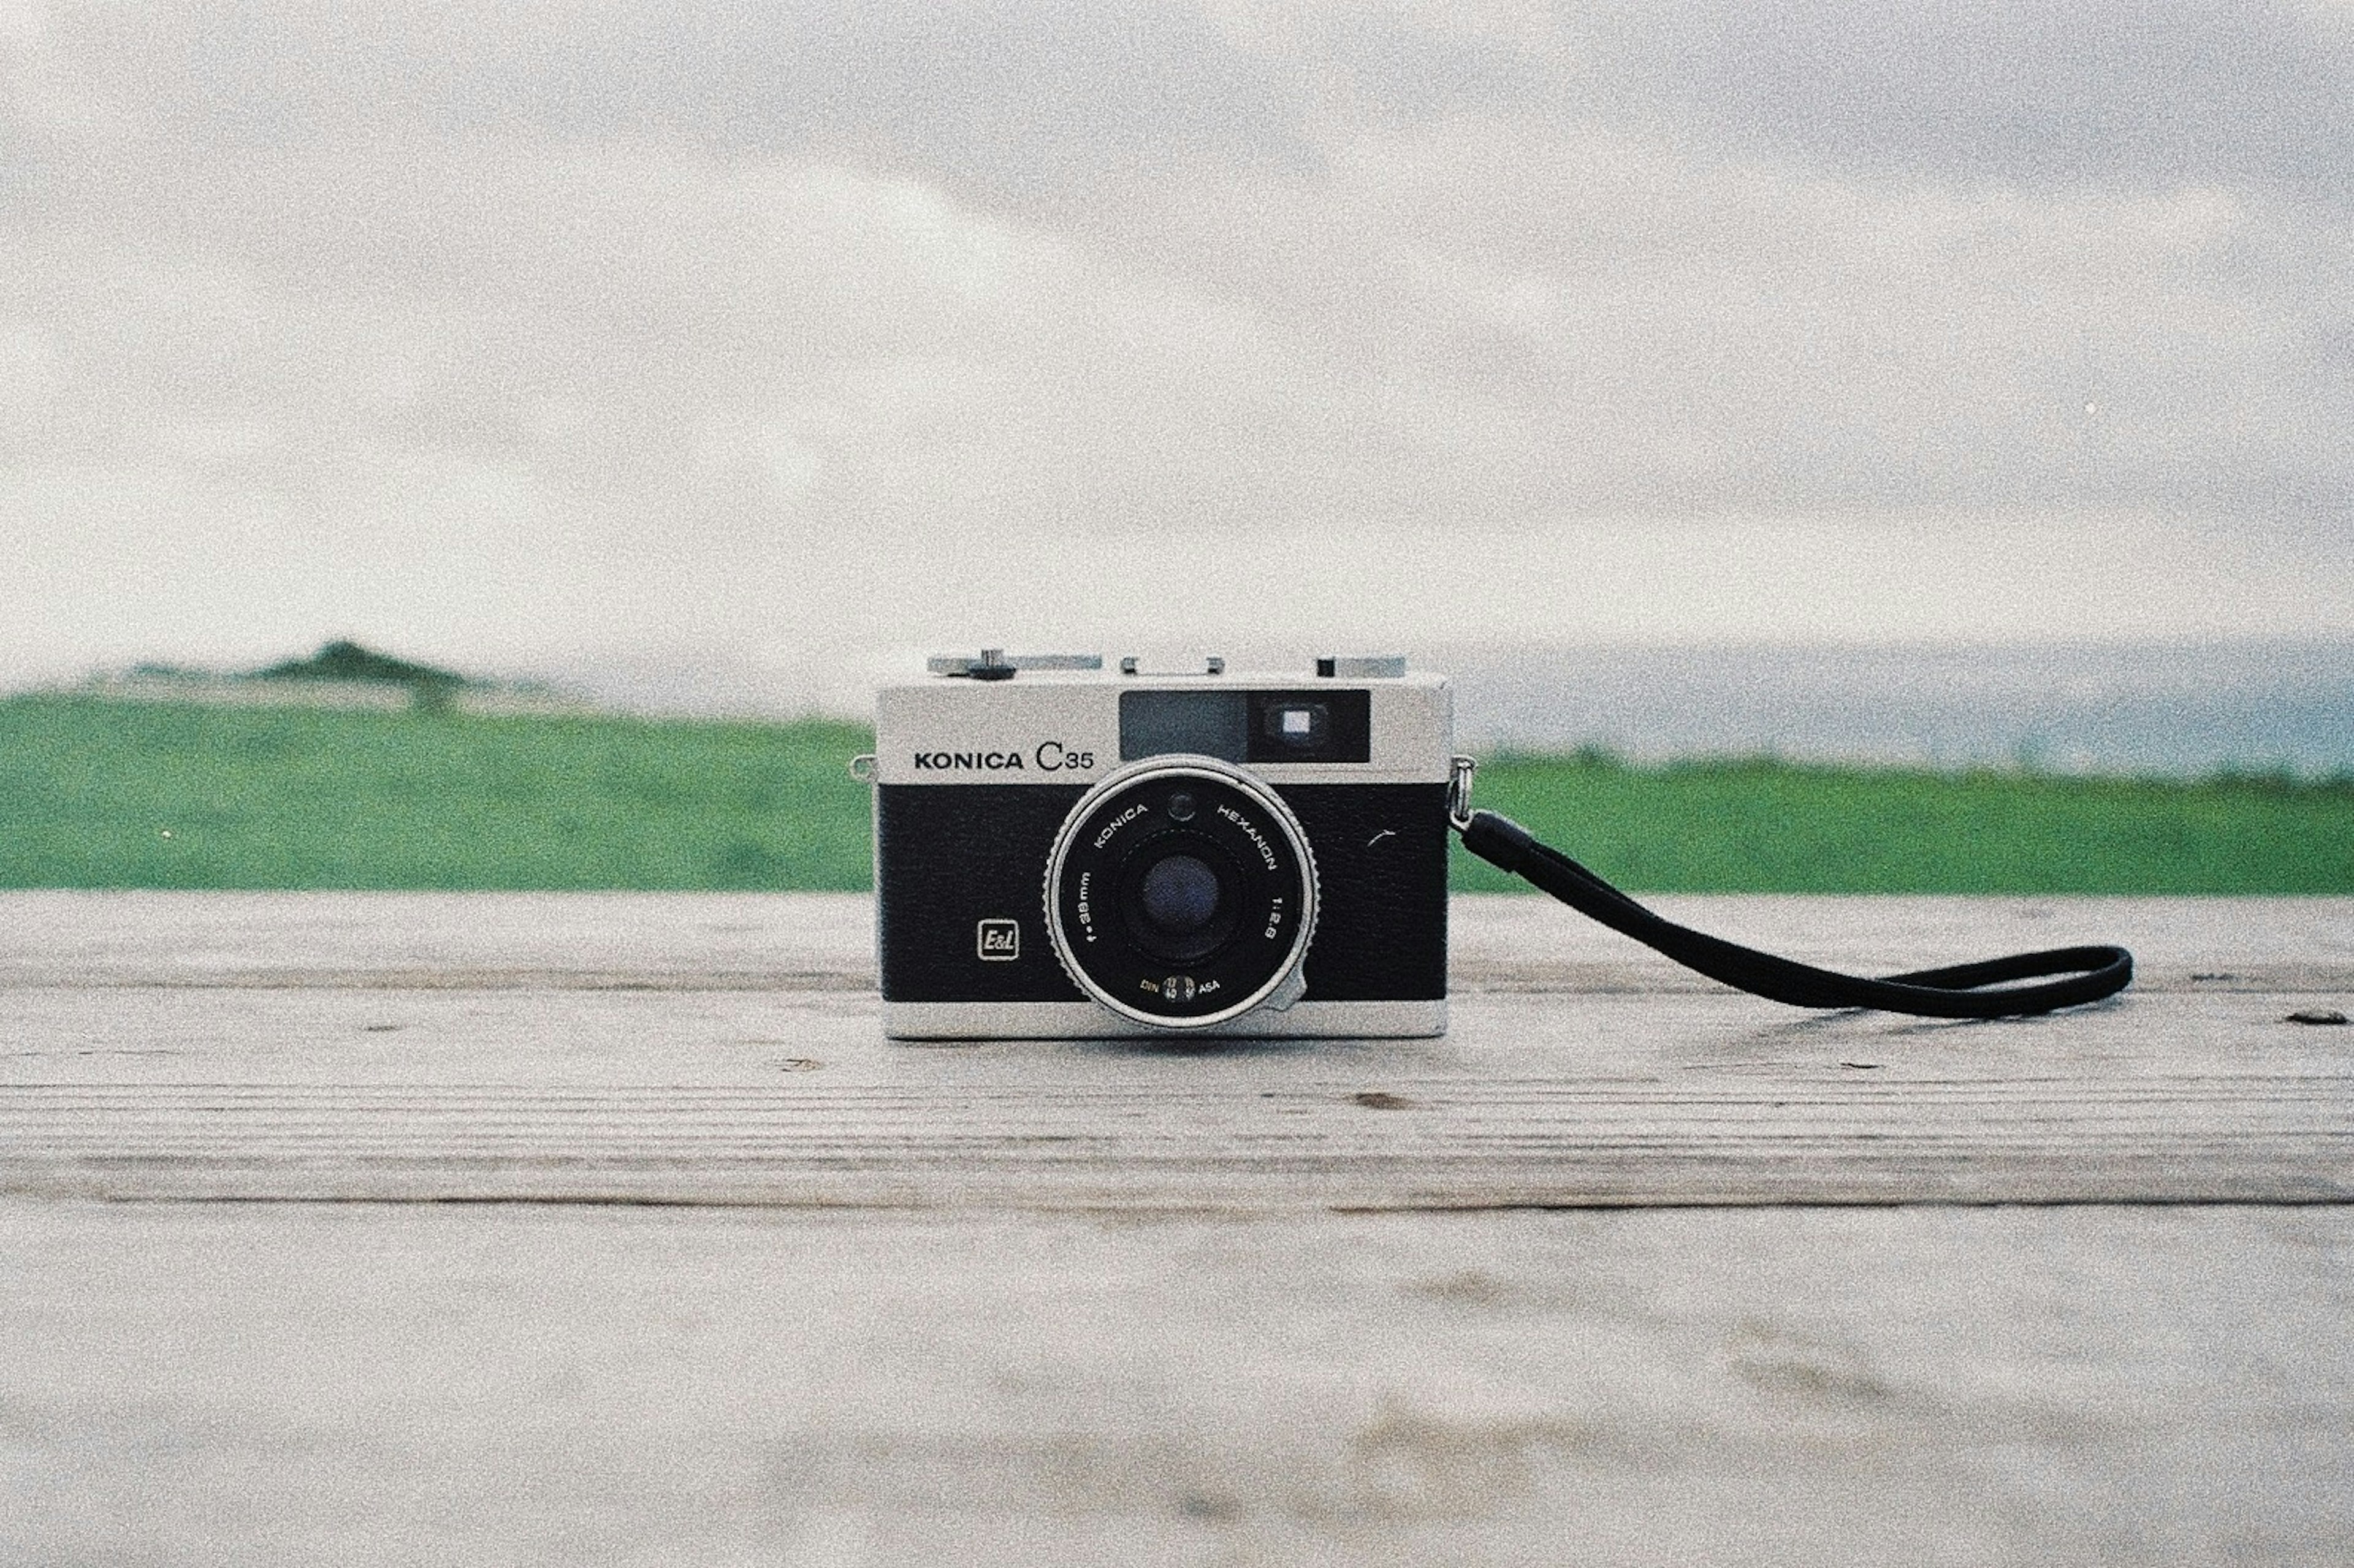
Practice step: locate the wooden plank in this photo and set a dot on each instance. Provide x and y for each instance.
(385, 1385)
(1084, 1301)
(825, 941)
(627, 1049)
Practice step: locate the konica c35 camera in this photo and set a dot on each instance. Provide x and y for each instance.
(1064, 850)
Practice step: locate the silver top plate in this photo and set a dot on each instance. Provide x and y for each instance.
(1363, 667)
(994, 660)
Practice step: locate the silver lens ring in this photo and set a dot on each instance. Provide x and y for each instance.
(1181, 892)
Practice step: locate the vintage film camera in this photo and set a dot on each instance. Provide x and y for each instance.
(1062, 851)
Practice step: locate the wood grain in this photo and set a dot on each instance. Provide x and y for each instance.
(386, 1384)
(619, 1049)
(825, 941)
(608, 1229)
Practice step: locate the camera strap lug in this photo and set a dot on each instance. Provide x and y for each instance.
(1460, 771)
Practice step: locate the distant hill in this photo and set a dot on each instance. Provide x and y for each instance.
(341, 674)
(345, 661)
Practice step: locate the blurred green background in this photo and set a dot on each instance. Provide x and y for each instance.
(100, 793)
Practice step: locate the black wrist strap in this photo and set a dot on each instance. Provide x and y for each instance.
(2091, 973)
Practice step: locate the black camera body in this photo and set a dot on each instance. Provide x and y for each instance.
(1066, 852)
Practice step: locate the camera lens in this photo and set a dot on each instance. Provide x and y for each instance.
(1180, 895)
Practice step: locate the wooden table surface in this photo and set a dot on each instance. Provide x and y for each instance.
(607, 1228)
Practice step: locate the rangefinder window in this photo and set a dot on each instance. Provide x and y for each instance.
(1207, 724)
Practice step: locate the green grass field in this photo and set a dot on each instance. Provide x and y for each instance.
(100, 794)
(104, 794)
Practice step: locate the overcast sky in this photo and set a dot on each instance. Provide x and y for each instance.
(512, 336)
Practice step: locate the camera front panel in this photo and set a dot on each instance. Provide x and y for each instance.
(975, 780)
(960, 881)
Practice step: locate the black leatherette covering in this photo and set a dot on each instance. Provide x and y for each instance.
(953, 855)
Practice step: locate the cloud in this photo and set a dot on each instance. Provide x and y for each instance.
(653, 316)
(1016, 98)
(2104, 95)
(1033, 99)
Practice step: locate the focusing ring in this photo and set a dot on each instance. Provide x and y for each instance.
(1102, 913)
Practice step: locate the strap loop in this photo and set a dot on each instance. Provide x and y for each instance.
(1955, 991)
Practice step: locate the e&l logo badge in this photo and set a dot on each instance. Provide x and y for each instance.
(999, 939)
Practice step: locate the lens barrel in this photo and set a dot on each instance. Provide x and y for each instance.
(1180, 893)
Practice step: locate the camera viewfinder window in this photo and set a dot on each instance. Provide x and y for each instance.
(1324, 726)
